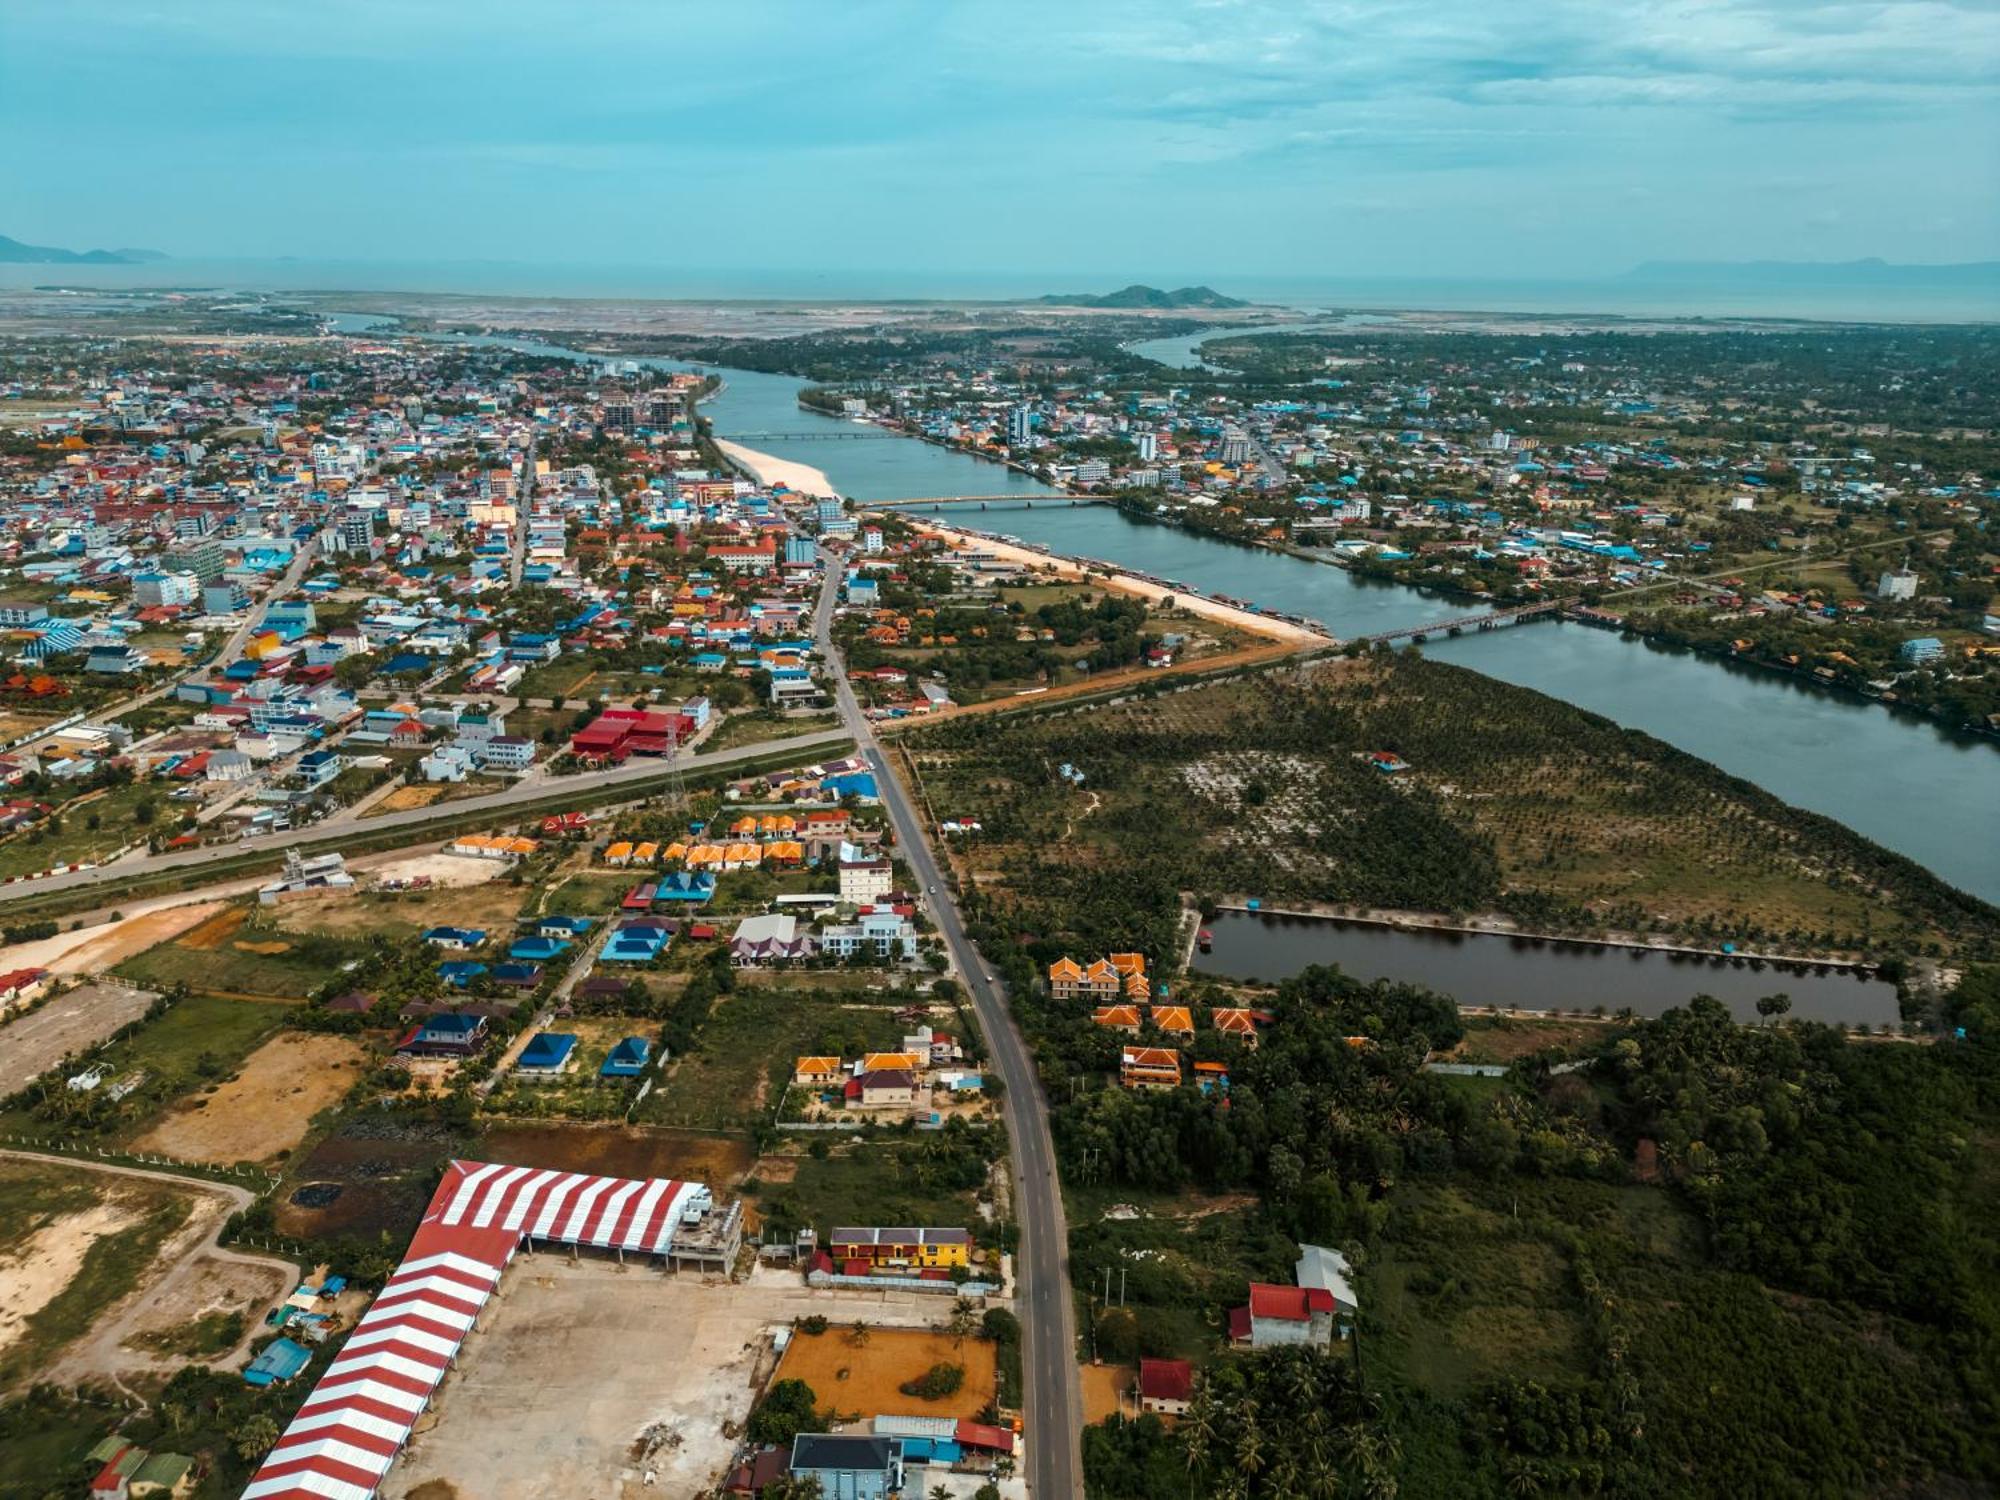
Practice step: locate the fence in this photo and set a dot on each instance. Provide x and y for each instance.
(85, 1150)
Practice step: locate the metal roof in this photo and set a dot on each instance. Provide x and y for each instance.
(358, 1417)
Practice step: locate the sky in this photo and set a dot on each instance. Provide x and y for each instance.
(1121, 139)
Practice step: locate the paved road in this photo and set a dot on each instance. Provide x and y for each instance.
(524, 502)
(1042, 1298)
(413, 820)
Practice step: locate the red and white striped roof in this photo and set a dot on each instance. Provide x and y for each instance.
(358, 1417)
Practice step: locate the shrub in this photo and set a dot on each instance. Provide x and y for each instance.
(936, 1383)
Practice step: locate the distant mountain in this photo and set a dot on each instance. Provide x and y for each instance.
(13, 252)
(1793, 273)
(1149, 297)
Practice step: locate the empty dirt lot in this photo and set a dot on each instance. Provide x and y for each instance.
(267, 1107)
(31, 1044)
(574, 1363)
(863, 1379)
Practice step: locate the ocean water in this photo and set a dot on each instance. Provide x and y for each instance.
(1611, 296)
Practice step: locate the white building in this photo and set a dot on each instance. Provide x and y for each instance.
(1899, 584)
(864, 881)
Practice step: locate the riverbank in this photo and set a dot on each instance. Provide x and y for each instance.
(1129, 583)
(768, 470)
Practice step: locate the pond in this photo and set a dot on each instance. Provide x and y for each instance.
(1535, 973)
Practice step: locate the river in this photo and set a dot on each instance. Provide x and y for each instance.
(1178, 352)
(1534, 973)
(1909, 784)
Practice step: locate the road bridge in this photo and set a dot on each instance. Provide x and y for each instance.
(1492, 619)
(938, 502)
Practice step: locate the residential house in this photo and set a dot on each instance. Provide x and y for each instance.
(1118, 1017)
(447, 1034)
(881, 1089)
(849, 1466)
(1165, 1386)
(818, 1072)
(1149, 1067)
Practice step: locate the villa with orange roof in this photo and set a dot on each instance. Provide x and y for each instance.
(1149, 1067)
(1236, 1022)
(1117, 1017)
(1176, 1020)
(818, 1072)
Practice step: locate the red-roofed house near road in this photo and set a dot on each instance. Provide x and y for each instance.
(1283, 1315)
(1165, 1386)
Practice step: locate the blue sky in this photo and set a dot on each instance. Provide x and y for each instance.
(1148, 139)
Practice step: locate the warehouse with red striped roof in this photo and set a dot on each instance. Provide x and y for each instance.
(355, 1422)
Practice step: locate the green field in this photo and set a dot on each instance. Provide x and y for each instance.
(78, 842)
(308, 961)
(758, 725)
(932, 1179)
(749, 1048)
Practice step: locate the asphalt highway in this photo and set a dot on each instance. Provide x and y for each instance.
(413, 820)
(1052, 1392)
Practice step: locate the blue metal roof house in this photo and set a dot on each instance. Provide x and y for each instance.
(637, 944)
(458, 939)
(563, 927)
(277, 1362)
(537, 949)
(547, 1052)
(685, 885)
(628, 1059)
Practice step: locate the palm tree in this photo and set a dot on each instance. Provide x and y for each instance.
(1197, 1429)
(1249, 1443)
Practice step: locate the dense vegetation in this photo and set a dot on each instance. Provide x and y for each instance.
(1511, 801)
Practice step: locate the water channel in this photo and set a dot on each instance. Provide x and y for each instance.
(1534, 973)
(1909, 784)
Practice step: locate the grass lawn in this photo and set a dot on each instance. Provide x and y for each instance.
(37, 1201)
(40, 1440)
(758, 725)
(752, 1042)
(79, 843)
(926, 1179)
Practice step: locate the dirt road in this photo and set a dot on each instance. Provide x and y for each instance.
(102, 1353)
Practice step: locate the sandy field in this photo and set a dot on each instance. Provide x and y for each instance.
(37, 1272)
(768, 469)
(443, 869)
(489, 906)
(579, 1368)
(1106, 1392)
(217, 930)
(864, 1378)
(267, 1107)
(212, 1286)
(1242, 619)
(91, 950)
(70, 1023)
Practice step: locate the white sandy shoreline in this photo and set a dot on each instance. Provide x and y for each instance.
(1213, 609)
(768, 469)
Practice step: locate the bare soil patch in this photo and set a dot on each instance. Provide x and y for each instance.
(267, 1107)
(36, 1274)
(91, 950)
(867, 1377)
(621, 1151)
(216, 931)
(1106, 1392)
(70, 1023)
